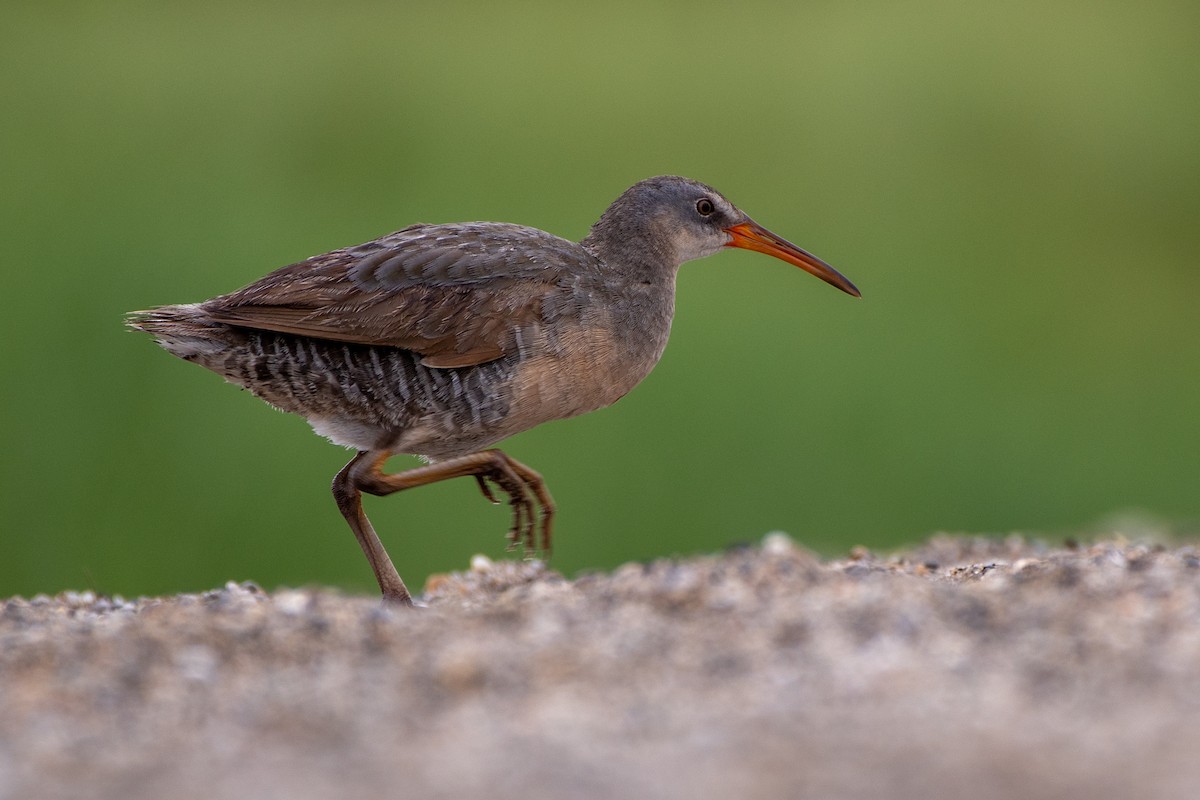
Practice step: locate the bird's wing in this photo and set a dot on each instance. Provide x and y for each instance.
(457, 295)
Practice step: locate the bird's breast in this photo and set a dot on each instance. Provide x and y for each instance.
(590, 363)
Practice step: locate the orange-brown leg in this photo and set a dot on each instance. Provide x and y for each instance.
(349, 502)
(364, 473)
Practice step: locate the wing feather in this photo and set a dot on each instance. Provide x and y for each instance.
(455, 294)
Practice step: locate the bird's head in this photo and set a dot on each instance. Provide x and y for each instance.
(679, 219)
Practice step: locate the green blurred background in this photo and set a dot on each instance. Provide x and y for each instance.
(1015, 187)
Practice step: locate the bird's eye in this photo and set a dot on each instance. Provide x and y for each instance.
(705, 207)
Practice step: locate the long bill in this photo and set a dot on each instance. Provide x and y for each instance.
(750, 235)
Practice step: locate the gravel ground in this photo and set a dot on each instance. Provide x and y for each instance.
(965, 667)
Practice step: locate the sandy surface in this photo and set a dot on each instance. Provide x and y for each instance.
(973, 668)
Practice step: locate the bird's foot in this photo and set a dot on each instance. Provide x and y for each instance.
(530, 502)
(523, 530)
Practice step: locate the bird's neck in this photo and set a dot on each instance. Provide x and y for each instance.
(633, 254)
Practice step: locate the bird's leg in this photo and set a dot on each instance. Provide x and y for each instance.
(349, 502)
(524, 487)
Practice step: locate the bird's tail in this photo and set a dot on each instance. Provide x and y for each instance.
(185, 330)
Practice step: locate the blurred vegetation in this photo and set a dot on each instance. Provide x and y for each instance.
(1015, 187)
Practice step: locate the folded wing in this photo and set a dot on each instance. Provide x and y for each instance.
(457, 295)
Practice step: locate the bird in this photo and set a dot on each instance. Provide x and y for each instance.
(441, 340)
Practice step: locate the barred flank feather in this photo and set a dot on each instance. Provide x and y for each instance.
(381, 388)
